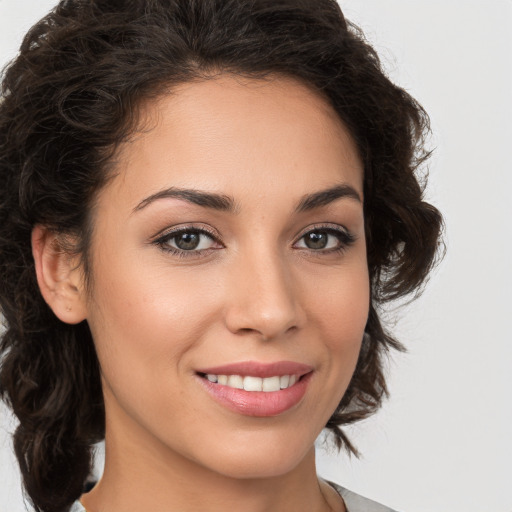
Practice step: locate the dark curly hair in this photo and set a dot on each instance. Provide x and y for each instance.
(72, 96)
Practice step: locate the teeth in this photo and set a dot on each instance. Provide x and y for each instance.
(236, 381)
(253, 384)
(271, 384)
(250, 383)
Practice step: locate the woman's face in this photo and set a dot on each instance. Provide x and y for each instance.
(228, 251)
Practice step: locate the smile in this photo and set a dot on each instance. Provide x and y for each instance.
(252, 383)
(257, 389)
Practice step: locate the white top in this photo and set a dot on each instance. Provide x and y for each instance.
(356, 503)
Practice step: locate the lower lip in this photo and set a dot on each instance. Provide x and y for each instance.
(258, 403)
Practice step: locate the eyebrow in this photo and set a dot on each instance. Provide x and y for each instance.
(211, 200)
(227, 203)
(327, 196)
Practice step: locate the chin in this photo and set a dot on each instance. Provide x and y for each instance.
(262, 460)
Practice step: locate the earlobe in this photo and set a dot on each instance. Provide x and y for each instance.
(59, 276)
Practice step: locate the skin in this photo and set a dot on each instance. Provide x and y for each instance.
(256, 292)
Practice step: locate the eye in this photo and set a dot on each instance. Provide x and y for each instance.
(187, 240)
(326, 239)
(190, 241)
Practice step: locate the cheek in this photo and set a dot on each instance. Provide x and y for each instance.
(340, 314)
(150, 320)
(146, 330)
(341, 303)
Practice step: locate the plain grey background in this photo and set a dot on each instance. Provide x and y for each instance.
(443, 442)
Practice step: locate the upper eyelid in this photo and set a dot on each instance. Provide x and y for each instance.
(323, 226)
(169, 232)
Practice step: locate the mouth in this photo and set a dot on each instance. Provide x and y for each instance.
(253, 383)
(255, 389)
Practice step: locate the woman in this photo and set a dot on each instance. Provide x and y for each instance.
(205, 204)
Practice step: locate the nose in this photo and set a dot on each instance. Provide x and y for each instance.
(263, 297)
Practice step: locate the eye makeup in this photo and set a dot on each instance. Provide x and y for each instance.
(194, 241)
(320, 239)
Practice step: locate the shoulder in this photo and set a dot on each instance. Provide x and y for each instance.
(356, 503)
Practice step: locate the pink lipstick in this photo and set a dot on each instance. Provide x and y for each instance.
(257, 389)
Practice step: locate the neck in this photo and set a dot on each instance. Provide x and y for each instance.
(141, 476)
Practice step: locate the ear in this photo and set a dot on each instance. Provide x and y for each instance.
(59, 276)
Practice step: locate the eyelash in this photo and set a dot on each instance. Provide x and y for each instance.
(163, 241)
(345, 240)
(343, 235)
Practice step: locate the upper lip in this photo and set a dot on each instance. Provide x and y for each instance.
(257, 369)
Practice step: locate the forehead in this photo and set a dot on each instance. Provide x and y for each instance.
(232, 134)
